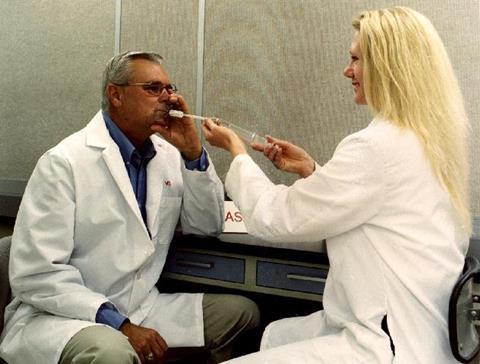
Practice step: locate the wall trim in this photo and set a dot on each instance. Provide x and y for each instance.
(476, 228)
(118, 27)
(200, 52)
(11, 192)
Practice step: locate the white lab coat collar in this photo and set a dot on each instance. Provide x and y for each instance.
(97, 136)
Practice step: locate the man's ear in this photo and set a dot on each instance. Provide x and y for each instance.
(115, 95)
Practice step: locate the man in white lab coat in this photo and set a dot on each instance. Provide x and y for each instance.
(94, 228)
(392, 204)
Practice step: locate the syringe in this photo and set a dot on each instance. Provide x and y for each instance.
(180, 114)
(247, 135)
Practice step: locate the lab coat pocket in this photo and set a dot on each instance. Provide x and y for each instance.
(167, 219)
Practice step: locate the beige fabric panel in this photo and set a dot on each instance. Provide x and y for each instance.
(276, 67)
(53, 54)
(170, 29)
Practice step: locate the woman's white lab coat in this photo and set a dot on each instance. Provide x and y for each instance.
(80, 241)
(394, 245)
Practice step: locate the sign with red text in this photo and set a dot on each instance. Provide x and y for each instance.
(233, 219)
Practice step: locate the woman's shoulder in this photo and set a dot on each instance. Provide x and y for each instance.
(384, 141)
(379, 129)
(386, 135)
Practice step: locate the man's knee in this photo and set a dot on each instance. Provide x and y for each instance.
(98, 344)
(226, 318)
(247, 311)
(231, 311)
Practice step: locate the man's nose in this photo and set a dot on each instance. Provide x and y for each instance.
(164, 96)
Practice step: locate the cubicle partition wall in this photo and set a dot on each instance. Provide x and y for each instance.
(274, 66)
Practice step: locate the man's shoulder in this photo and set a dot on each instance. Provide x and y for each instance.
(75, 143)
(75, 140)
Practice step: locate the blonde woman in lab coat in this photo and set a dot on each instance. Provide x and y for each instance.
(392, 204)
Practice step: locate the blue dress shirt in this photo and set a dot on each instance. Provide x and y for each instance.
(136, 164)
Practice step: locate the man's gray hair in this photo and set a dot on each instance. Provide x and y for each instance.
(118, 70)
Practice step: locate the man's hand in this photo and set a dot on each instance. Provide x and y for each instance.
(149, 345)
(287, 156)
(223, 137)
(181, 132)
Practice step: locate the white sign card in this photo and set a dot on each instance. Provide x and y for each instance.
(233, 219)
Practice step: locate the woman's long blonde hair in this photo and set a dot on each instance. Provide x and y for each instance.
(409, 80)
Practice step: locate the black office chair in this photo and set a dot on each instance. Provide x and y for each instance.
(464, 339)
(5, 293)
(188, 355)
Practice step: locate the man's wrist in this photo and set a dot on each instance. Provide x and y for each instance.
(199, 164)
(124, 325)
(108, 314)
(191, 155)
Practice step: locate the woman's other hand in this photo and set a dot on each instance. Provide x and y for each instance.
(287, 156)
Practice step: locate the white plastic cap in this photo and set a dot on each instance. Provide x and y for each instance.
(176, 113)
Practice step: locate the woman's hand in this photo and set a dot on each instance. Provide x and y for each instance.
(287, 156)
(223, 137)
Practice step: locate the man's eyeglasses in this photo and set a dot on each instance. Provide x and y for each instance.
(154, 88)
